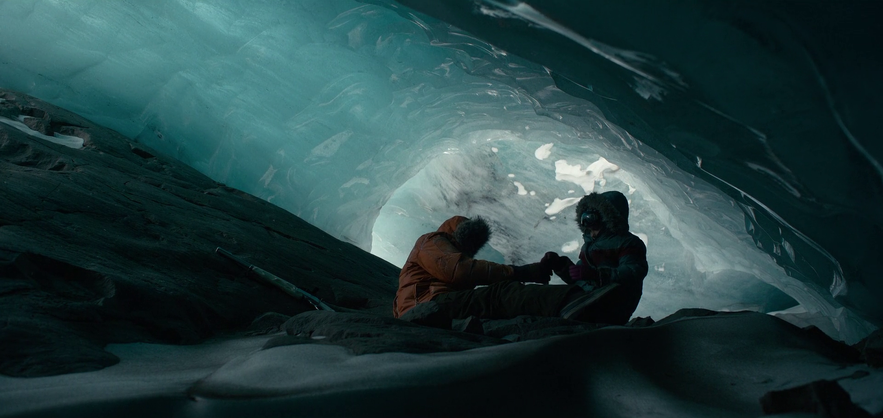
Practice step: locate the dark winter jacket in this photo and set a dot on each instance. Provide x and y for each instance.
(438, 265)
(616, 249)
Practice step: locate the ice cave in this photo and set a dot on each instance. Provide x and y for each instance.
(741, 133)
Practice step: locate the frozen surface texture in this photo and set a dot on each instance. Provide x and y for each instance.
(743, 136)
(113, 243)
(713, 365)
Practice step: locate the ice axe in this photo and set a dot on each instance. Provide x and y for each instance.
(273, 280)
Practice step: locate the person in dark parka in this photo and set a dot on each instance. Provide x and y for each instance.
(610, 254)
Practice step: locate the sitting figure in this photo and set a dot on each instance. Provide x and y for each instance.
(605, 286)
(441, 268)
(611, 257)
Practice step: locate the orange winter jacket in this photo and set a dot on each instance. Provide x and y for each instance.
(436, 266)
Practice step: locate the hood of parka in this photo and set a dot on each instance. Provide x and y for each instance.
(469, 234)
(613, 207)
(451, 224)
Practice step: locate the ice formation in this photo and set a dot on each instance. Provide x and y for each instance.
(376, 123)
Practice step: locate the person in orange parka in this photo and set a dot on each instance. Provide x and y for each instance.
(441, 269)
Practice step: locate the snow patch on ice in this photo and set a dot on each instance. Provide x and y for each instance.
(584, 178)
(570, 247)
(558, 205)
(66, 140)
(544, 151)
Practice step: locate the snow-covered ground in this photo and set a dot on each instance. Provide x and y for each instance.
(716, 366)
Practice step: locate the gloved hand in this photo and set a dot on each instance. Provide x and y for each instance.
(550, 259)
(589, 274)
(559, 264)
(576, 272)
(536, 273)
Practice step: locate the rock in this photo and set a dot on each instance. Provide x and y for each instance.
(114, 243)
(640, 322)
(471, 325)
(268, 323)
(871, 349)
(369, 334)
(822, 398)
(692, 313)
(527, 327)
(428, 314)
(40, 346)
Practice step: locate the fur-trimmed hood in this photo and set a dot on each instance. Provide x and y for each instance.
(450, 225)
(469, 234)
(613, 207)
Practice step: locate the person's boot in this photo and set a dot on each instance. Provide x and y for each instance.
(575, 305)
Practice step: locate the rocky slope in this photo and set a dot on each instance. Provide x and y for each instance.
(112, 243)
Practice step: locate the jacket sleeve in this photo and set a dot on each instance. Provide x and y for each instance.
(440, 258)
(632, 266)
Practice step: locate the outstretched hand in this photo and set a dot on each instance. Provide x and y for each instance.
(550, 260)
(559, 264)
(533, 273)
(541, 273)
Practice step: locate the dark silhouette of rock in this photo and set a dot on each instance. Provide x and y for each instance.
(871, 349)
(268, 323)
(114, 243)
(525, 328)
(471, 325)
(428, 314)
(640, 322)
(369, 334)
(822, 398)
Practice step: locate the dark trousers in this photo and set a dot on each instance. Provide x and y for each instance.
(505, 300)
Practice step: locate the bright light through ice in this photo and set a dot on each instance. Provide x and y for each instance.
(543, 152)
(570, 247)
(584, 178)
(558, 205)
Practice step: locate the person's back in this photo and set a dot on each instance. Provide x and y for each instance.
(442, 262)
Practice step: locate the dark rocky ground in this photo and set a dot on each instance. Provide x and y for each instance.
(113, 243)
